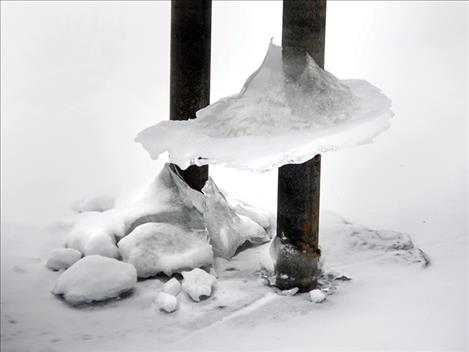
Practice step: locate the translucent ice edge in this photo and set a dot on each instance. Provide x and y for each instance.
(275, 120)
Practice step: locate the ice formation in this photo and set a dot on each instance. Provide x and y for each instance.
(228, 230)
(172, 287)
(155, 248)
(170, 200)
(198, 283)
(62, 258)
(166, 302)
(95, 278)
(275, 120)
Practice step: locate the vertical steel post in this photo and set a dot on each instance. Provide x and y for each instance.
(191, 23)
(304, 27)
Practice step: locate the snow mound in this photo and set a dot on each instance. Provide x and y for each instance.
(345, 239)
(170, 200)
(277, 120)
(198, 283)
(166, 302)
(155, 248)
(62, 258)
(100, 203)
(172, 287)
(95, 278)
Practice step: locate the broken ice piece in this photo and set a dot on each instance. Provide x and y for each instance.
(172, 287)
(166, 302)
(317, 296)
(62, 258)
(198, 283)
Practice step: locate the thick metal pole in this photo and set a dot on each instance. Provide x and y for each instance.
(304, 24)
(191, 23)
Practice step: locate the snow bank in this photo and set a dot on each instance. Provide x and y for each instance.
(170, 200)
(275, 119)
(62, 258)
(198, 283)
(95, 278)
(155, 248)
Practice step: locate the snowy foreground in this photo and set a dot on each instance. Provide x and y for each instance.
(372, 278)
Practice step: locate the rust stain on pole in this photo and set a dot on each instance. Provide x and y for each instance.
(191, 23)
(304, 29)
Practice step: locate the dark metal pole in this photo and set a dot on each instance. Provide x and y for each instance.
(304, 28)
(191, 23)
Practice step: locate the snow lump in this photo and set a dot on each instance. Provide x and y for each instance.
(317, 296)
(95, 278)
(166, 302)
(155, 248)
(62, 258)
(198, 283)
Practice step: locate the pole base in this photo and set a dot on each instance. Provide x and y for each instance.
(295, 268)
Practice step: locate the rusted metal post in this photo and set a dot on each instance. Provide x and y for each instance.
(304, 28)
(191, 23)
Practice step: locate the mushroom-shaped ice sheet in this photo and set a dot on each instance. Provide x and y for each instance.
(275, 120)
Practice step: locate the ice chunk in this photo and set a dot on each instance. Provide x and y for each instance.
(62, 258)
(172, 287)
(277, 120)
(317, 296)
(100, 203)
(227, 229)
(95, 278)
(167, 199)
(167, 302)
(170, 200)
(155, 248)
(198, 283)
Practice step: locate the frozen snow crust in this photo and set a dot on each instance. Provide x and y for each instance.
(275, 119)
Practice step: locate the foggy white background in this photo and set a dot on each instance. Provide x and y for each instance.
(80, 79)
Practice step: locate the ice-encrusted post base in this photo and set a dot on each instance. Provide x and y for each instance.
(296, 268)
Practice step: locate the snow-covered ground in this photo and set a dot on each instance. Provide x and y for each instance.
(79, 80)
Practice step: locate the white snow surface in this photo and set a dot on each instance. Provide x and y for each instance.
(62, 258)
(276, 120)
(198, 283)
(154, 248)
(166, 302)
(169, 200)
(95, 278)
